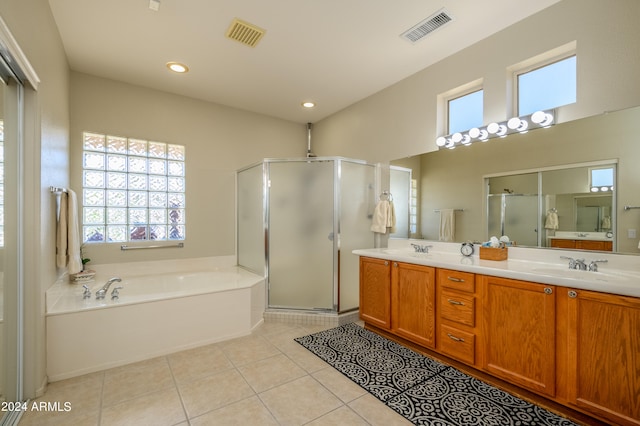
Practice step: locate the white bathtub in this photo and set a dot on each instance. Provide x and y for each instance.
(163, 307)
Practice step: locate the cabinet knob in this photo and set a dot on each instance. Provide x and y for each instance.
(548, 290)
(386, 263)
(573, 294)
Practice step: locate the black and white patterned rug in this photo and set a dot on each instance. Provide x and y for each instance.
(423, 390)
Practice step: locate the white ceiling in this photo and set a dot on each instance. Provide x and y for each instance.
(333, 52)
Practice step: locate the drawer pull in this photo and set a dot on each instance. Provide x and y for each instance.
(454, 279)
(455, 302)
(452, 337)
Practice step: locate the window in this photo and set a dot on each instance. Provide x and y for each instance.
(413, 207)
(465, 112)
(601, 179)
(133, 190)
(548, 86)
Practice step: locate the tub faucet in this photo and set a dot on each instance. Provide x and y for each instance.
(103, 291)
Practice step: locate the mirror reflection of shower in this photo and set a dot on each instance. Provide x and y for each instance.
(2, 331)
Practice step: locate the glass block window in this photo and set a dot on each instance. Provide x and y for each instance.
(546, 87)
(413, 207)
(133, 190)
(465, 112)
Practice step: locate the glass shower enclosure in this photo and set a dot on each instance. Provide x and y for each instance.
(298, 221)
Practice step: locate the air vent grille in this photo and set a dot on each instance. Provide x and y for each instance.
(245, 32)
(427, 26)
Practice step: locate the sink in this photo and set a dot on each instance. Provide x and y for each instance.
(576, 274)
(405, 252)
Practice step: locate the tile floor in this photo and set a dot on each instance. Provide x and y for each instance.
(262, 379)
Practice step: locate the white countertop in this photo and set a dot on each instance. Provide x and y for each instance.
(619, 275)
(588, 236)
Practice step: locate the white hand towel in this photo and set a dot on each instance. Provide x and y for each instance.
(447, 225)
(391, 218)
(380, 217)
(73, 234)
(552, 220)
(61, 232)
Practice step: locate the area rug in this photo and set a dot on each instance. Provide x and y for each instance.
(423, 390)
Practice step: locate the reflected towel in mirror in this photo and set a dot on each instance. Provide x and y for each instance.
(447, 225)
(552, 220)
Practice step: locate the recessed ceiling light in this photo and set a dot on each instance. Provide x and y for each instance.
(177, 67)
(308, 104)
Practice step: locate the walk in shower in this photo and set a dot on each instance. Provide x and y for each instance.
(298, 221)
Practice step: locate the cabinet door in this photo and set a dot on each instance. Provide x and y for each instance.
(563, 243)
(604, 354)
(375, 292)
(519, 332)
(413, 293)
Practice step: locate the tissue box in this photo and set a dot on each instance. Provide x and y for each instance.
(493, 253)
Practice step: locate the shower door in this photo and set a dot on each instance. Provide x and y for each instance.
(301, 222)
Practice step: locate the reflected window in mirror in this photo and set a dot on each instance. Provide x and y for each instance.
(601, 179)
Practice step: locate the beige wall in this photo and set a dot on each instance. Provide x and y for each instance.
(218, 139)
(46, 163)
(402, 120)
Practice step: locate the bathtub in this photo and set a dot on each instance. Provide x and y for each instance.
(163, 307)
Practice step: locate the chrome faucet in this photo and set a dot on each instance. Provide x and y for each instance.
(421, 249)
(575, 263)
(593, 266)
(572, 261)
(103, 291)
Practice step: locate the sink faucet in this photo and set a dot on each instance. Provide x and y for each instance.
(421, 249)
(103, 291)
(575, 263)
(593, 266)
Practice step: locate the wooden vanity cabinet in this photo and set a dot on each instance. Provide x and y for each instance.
(375, 292)
(519, 332)
(603, 354)
(413, 290)
(457, 319)
(582, 244)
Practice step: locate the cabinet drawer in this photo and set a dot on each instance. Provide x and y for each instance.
(458, 344)
(462, 281)
(457, 307)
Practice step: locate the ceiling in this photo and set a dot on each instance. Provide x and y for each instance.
(331, 52)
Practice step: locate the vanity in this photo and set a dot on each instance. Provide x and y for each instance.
(582, 240)
(569, 336)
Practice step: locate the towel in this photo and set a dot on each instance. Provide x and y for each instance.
(68, 234)
(606, 222)
(384, 216)
(552, 220)
(447, 225)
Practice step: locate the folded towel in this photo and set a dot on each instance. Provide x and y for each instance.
(68, 234)
(447, 225)
(606, 222)
(384, 217)
(552, 220)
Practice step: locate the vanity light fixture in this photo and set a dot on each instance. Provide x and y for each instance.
(178, 67)
(537, 120)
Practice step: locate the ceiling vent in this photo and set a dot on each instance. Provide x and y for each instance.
(427, 26)
(245, 32)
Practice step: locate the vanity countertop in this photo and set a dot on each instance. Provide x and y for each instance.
(588, 236)
(619, 275)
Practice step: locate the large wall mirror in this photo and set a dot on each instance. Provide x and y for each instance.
(514, 185)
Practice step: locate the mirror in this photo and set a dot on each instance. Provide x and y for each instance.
(541, 161)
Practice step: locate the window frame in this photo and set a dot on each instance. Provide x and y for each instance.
(173, 170)
(455, 93)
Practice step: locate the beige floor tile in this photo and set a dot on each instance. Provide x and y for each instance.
(198, 363)
(249, 411)
(343, 387)
(161, 408)
(273, 328)
(343, 416)
(52, 418)
(215, 391)
(376, 413)
(133, 380)
(248, 349)
(301, 356)
(300, 401)
(270, 372)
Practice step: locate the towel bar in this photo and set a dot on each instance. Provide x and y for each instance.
(456, 210)
(126, 247)
(631, 207)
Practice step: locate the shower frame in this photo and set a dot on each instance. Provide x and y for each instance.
(337, 242)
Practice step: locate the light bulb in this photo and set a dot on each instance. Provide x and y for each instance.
(493, 128)
(457, 137)
(441, 141)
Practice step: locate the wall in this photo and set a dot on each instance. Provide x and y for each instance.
(218, 139)
(45, 163)
(402, 120)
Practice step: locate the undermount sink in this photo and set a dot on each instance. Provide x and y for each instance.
(405, 252)
(577, 274)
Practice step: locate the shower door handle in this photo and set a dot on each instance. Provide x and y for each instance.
(330, 236)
